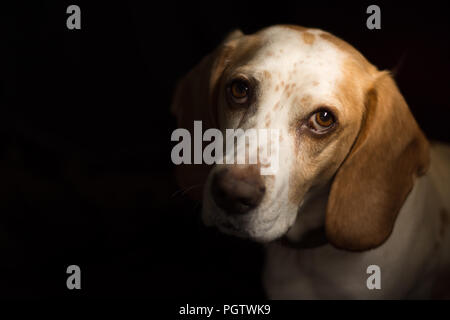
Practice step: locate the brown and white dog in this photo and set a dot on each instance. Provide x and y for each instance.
(354, 166)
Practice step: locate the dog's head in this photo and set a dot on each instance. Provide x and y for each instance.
(343, 126)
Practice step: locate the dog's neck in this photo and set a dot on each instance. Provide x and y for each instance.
(308, 230)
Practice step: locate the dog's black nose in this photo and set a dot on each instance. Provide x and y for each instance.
(238, 189)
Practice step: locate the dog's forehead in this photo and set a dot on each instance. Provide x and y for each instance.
(295, 62)
(304, 57)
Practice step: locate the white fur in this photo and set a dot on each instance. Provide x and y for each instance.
(408, 259)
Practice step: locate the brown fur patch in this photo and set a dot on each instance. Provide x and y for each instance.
(308, 37)
(349, 86)
(355, 221)
(306, 99)
(267, 74)
(243, 49)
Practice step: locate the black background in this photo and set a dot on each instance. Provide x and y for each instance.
(85, 170)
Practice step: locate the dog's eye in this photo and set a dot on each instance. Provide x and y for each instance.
(322, 121)
(239, 91)
(324, 118)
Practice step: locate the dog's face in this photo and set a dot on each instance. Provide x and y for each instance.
(289, 80)
(315, 90)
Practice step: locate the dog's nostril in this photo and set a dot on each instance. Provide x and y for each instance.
(237, 191)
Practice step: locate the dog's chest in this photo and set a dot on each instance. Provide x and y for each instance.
(407, 261)
(327, 275)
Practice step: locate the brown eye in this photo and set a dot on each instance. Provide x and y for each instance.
(322, 120)
(239, 91)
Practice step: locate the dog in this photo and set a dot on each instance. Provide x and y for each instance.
(359, 184)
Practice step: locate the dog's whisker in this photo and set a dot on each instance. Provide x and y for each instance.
(183, 191)
(191, 188)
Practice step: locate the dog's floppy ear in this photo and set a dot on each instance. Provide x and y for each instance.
(373, 182)
(194, 100)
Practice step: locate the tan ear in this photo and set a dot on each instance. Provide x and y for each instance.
(378, 174)
(195, 100)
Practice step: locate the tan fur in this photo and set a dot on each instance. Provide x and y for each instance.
(308, 37)
(372, 184)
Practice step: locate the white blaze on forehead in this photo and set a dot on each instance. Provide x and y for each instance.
(310, 63)
(315, 66)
